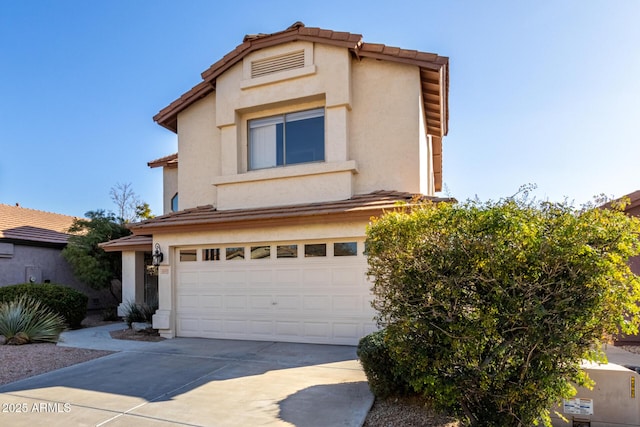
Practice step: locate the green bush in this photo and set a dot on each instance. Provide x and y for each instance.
(381, 371)
(27, 320)
(68, 302)
(490, 308)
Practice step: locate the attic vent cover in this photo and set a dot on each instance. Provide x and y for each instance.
(288, 61)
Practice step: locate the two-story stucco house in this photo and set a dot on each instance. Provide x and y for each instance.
(286, 148)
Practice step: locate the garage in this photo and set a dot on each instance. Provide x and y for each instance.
(309, 291)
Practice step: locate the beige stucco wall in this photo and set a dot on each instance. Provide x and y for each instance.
(385, 125)
(373, 123)
(170, 188)
(199, 153)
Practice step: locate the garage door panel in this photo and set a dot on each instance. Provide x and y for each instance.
(234, 277)
(345, 277)
(317, 303)
(189, 325)
(315, 276)
(287, 303)
(235, 326)
(347, 303)
(287, 277)
(209, 278)
(235, 302)
(211, 302)
(260, 277)
(288, 329)
(188, 278)
(261, 327)
(317, 329)
(188, 301)
(261, 302)
(211, 325)
(347, 330)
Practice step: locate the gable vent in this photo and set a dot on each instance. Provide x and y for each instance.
(288, 61)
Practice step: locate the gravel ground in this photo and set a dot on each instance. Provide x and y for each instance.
(23, 361)
(409, 412)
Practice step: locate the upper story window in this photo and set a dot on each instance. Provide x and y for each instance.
(286, 139)
(174, 203)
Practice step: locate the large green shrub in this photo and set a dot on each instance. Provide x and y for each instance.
(27, 320)
(490, 308)
(382, 372)
(68, 302)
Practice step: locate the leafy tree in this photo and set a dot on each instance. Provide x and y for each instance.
(90, 263)
(490, 308)
(143, 211)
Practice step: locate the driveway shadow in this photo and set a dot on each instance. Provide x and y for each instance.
(325, 405)
(201, 382)
(175, 366)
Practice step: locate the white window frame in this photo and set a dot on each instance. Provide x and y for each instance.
(262, 139)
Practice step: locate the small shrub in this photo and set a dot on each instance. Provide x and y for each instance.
(28, 320)
(68, 302)
(380, 369)
(139, 312)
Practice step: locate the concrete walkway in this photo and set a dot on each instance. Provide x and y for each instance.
(193, 382)
(98, 338)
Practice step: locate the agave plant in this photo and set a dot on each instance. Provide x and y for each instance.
(26, 320)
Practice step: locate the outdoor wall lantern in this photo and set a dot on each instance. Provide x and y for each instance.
(158, 256)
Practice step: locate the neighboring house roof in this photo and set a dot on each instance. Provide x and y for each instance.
(128, 243)
(633, 206)
(359, 207)
(170, 161)
(30, 225)
(434, 76)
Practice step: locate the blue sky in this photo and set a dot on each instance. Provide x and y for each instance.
(544, 92)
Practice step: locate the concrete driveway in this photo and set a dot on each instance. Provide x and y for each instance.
(197, 382)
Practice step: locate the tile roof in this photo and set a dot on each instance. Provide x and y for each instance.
(434, 76)
(170, 161)
(128, 243)
(18, 223)
(360, 207)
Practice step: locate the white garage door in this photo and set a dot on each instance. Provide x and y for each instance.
(314, 293)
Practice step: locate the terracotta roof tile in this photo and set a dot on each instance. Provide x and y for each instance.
(128, 243)
(364, 205)
(373, 47)
(170, 161)
(18, 223)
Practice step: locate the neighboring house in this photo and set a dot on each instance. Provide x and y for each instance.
(286, 148)
(632, 209)
(31, 243)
